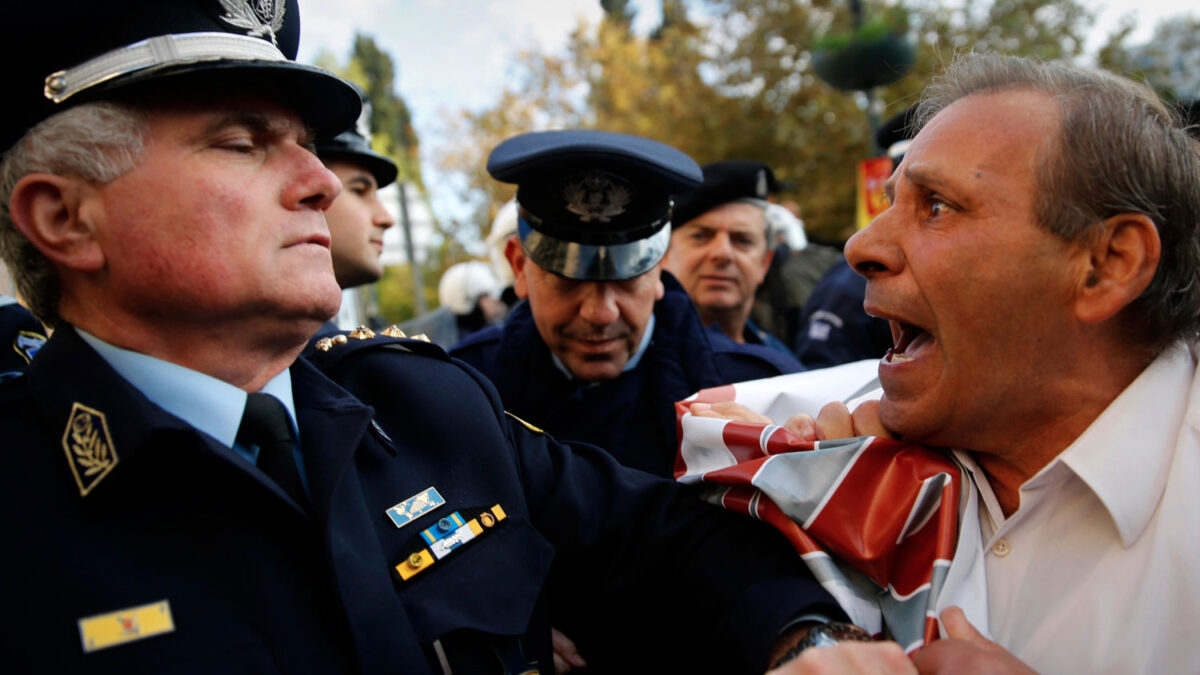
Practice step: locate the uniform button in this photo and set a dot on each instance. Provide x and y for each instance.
(445, 525)
(1002, 548)
(414, 560)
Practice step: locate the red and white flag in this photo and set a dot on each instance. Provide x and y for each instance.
(876, 520)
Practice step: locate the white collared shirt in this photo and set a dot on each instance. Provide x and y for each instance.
(1098, 570)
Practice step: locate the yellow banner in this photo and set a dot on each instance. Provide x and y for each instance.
(872, 200)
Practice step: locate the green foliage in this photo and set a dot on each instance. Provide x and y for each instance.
(740, 85)
(889, 21)
(372, 69)
(397, 301)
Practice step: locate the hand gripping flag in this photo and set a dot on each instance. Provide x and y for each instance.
(876, 520)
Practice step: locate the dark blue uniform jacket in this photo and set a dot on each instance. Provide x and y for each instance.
(632, 416)
(836, 328)
(256, 584)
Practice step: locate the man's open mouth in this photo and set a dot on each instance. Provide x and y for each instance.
(909, 340)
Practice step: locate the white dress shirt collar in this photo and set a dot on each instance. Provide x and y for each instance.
(1105, 456)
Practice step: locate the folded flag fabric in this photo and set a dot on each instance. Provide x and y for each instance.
(876, 520)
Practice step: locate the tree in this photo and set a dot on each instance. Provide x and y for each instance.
(374, 71)
(733, 79)
(1169, 62)
(543, 95)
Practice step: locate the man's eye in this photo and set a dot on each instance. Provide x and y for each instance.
(241, 145)
(938, 207)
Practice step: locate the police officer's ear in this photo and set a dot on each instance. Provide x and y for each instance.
(517, 260)
(659, 289)
(56, 214)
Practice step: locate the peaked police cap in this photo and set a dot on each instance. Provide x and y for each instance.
(59, 54)
(354, 145)
(727, 181)
(594, 205)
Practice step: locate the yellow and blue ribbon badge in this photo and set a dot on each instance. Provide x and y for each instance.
(449, 534)
(125, 625)
(415, 506)
(89, 447)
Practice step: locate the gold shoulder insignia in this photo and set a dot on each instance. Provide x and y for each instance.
(527, 424)
(392, 331)
(89, 447)
(362, 333)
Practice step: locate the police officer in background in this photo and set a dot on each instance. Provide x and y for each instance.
(605, 342)
(836, 328)
(184, 495)
(357, 218)
(722, 245)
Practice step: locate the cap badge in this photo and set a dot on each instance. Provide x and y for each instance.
(89, 447)
(260, 18)
(761, 189)
(597, 196)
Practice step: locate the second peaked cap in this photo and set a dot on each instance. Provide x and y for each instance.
(593, 205)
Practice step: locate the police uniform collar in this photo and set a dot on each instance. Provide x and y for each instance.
(98, 421)
(208, 404)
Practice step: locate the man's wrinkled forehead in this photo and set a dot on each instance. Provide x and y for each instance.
(1027, 126)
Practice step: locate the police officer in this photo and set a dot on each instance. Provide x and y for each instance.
(835, 327)
(357, 219)
(184, 495)
(605, 342)
(722, 245)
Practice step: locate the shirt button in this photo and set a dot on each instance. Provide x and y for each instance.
(1002, 548)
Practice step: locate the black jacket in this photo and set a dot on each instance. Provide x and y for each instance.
(254, 584)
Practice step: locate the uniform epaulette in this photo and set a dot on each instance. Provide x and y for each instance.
(332, 349)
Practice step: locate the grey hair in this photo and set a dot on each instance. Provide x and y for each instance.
(768, 224)
(95, 142)
(1118, 150)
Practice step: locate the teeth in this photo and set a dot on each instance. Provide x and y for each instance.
(894, 357)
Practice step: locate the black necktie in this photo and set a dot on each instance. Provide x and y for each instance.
(265, 423)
